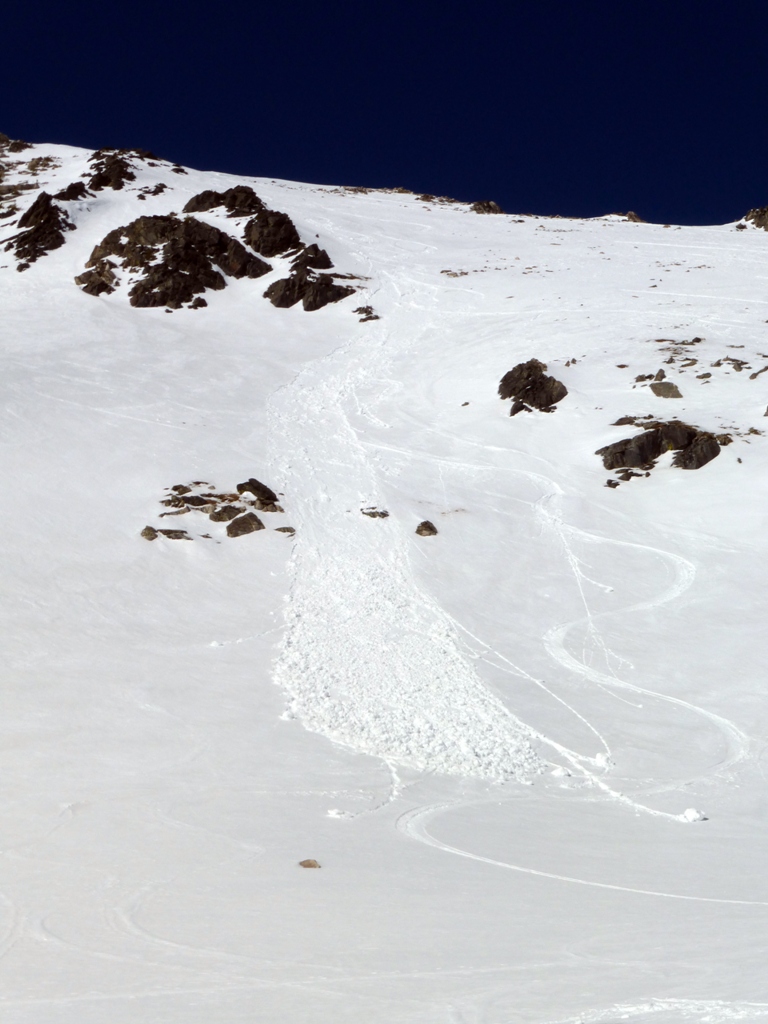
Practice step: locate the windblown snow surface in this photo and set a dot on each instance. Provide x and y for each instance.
(527, 752)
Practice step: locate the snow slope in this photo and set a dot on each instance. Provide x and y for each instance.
(499, 742)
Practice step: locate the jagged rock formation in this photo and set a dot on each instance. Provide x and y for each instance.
(312, 257)
(313, 291)
(758, 216)
(111, 168)
(530, 387)
(240, 201)
(177, 258)
(694, 447)
(272, 233)
(45, 224)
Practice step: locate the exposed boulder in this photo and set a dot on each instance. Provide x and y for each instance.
(698, 453)
(258, 490)
(529, 386)
(312, 258)
(486, 206)
(75, 190)
(285, 529)
(665, 389)
(149, 533)
(694, 447)
(45, 223)
(313, 290)
(426, 529)
(758, 216)
(225, 514)
(271, 233)
(240, 201)
(249, 523)
(177, 257)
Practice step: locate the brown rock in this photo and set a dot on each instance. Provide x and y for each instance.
(175, 534)
(258, 490)
(665, 389)
(226, 513)
(285, 529)
(240, 201)
(426, 529)
(486, 206)
(310, 863)
(149, 533)
(698, 453)
(249, 523)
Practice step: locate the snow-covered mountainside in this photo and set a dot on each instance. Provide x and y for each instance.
(283, 580)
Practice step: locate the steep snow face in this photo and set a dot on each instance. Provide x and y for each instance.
(593, 633)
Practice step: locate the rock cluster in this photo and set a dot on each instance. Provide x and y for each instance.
(45, 223)
(529, 387)
(231, 508)
(758, 216)
(694, 448)
(111, 168)
(177, 257)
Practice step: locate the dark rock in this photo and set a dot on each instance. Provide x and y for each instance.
(100, 279)
(75, 190)
(611, 483)
(694, 447)
(240, 201)
(271, 233)
(45, 224)
(187, 250)
(486, 206)
(665, 389)
(225, 514)
(374, 513)
(366, 313)
(149, 533)
(660, 375)
(634, 452)
(314, 292)
(175, 534)
(698, 453)
(195, 501)
(198, 303)
(528, 384)
(312, 258)
(111, 169)
(18, 145)
(285, 529)
(181, 489)
(634, 218)
(258, 490)
(249, 523)
(426, 529)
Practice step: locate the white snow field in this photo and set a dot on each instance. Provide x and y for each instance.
(528, 752)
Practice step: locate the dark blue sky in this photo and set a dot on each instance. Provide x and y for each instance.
(577, 108)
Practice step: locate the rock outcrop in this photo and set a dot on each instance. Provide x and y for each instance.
(111, 168)
(694, 447)
(271, 233)
(45, 223)
(178, 259)
(240, 201)
(529, 387)
(249, 523)
(313, 291)
(486, 206)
